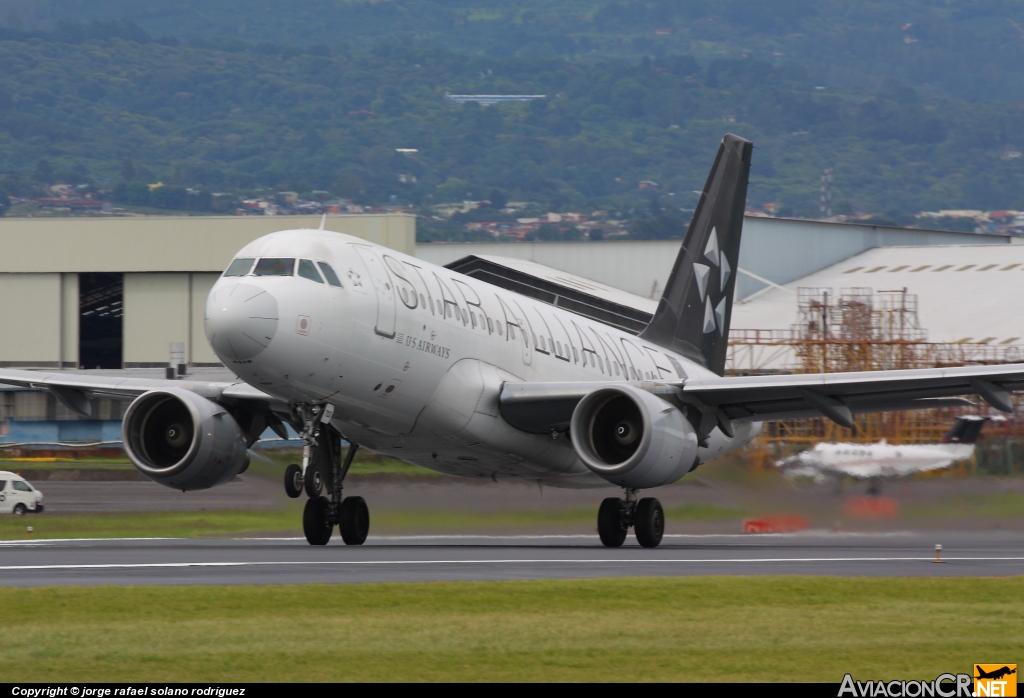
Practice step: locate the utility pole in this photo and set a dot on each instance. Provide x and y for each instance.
(826, 193)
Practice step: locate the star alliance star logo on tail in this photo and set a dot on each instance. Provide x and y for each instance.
(714, 314)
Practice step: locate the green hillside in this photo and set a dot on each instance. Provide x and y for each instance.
(969, 49)
(230, 115)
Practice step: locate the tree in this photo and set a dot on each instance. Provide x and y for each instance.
(133, 193)
(43, 173)
(128, 171)
(497, 198)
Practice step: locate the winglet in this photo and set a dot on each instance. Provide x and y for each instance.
(323, 220)
(694, 313)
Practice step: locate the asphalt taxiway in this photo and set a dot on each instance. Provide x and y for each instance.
(466, 557)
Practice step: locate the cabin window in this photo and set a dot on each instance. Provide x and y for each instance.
(575, 355)
(490, 325)
(275, 266)
(329, 274)
(499, 328)
(308, 271)
(240, 266)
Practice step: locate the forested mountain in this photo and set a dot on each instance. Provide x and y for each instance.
(964, 49)
(79, 99)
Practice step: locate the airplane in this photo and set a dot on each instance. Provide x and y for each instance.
(347, 341)
(995, 674)
(884, 460)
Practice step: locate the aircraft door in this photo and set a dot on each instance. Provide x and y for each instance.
(384, 288)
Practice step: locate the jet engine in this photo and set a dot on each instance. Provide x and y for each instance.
(633, 438)
(182, 440)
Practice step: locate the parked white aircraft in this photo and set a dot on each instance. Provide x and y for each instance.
(884, 460)
(345, 339)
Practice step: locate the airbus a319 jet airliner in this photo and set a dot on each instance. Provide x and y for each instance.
(349, 341)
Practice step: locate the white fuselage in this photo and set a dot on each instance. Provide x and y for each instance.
(412, 356)
(877, 460)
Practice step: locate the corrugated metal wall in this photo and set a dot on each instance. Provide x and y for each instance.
(779, 250)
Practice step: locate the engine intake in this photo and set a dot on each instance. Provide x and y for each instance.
(183, 440)
(632, 438)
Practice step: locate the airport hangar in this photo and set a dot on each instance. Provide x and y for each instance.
(116, 292)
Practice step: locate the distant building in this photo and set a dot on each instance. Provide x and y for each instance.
(486, 100)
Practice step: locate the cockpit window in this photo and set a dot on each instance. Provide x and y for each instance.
(308, 271)
(329, 274)
(240, 266)
(275, 266)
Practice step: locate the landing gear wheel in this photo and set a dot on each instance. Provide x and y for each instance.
(19, 509)
(293, 481)
(610, 525)
(316, 521)
(314, 481)
(649, 522)
(355, 520)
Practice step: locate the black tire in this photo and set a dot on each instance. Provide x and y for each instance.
(649, 522)
(19, 509)
(293, 481)
(314, 481)
(315, 521)
(355, 520)
(610, 526)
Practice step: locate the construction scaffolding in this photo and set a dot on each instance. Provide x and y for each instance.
(860, 329)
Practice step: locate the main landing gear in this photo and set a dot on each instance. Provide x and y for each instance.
(325, 471)
(645, 516)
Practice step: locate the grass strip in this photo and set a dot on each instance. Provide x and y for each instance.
(288, 519)
(999, 505)
(627, 629)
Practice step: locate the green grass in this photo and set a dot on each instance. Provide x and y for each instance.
(288, 519)
(1000, 505)
(650, 629)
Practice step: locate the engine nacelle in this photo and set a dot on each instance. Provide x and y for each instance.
(633, 438)
(182, 440)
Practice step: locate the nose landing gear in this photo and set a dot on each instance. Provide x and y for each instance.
(325, 471)
(646, 516)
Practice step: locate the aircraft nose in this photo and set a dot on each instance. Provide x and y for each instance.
(241, 320)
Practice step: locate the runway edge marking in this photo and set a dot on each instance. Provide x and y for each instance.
(292, 563)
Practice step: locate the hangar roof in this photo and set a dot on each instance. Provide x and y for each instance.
(966, 293)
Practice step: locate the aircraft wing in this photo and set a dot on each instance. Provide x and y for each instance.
(74, 390)
(543, 407)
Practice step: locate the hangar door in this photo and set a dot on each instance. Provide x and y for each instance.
(100, 320)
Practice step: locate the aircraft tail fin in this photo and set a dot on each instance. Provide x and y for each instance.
(694, 312)
(965, 430)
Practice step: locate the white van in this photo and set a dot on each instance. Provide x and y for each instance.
(17, 496)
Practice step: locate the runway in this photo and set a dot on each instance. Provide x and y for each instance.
(462, 557)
